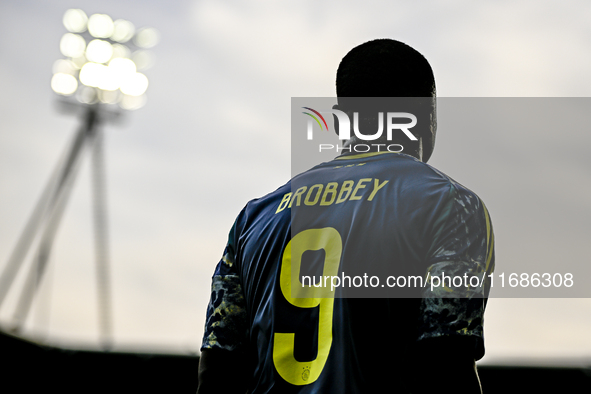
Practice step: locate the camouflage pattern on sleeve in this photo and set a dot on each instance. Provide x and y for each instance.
(226, 325)
(464, 248)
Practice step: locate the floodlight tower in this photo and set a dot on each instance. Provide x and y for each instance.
(98, 78)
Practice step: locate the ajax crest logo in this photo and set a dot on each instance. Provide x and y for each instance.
(306, 373)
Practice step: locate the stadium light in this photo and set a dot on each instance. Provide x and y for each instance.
(104, 60)
(102, 68)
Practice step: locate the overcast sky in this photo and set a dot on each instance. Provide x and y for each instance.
(215, 133)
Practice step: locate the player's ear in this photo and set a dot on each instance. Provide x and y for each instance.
(335, 121)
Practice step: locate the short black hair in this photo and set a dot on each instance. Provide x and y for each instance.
(384, 68)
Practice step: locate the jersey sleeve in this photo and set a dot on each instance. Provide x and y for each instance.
(459, 262)
(226, 325)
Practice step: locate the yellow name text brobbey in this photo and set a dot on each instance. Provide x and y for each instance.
(332, 193)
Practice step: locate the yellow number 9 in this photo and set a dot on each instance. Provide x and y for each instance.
(305, 372)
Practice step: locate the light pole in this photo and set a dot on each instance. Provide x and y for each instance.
(98, 78)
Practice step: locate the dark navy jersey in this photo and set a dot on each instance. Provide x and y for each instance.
(363, 216)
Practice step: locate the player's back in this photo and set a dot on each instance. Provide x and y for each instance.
(355, 217)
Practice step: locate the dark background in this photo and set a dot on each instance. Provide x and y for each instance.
(35, 368)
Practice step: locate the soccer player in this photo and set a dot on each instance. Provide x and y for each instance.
(370, 212)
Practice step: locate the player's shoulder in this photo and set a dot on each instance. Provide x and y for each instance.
(428, 180)
(457, 187)
(400, 166)
(462, 201)
(264, 205)
(464, 198)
